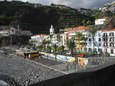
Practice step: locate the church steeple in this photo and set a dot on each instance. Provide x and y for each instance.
(52, 31)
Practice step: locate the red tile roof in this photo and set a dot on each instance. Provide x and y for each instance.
(77, 28)
(113, 29)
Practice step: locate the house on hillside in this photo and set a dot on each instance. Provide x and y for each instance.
(100, 21)
(4, 32)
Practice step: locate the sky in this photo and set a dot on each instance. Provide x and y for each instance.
(73, 3)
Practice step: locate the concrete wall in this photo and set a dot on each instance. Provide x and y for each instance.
(96, 76)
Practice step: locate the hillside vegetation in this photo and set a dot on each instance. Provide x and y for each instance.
(38, 18)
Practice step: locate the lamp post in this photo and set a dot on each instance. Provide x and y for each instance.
(55, 49)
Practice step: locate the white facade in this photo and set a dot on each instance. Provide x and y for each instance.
(98, 41)
(37, 39)
(100, 21)
(5, 32)
(109, 42)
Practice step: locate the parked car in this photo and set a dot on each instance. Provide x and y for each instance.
(81, 55)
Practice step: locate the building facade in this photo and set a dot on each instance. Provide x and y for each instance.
(100, 21)
(38, 38)
(109, 41)
(103, 41)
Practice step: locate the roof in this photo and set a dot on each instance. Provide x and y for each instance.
(78, 28)
(39, 35)
(108, 30)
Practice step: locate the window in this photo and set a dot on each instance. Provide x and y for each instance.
(106, 35)
(100, 50)
(89, 39)
(89, 49)
(111, 44)
(111, 34)
(105, 45)
(106, 39)
(99, 44)
(111, 39)
(99, 39)
(111, 51)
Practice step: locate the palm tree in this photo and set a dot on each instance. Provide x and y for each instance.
(55, 47)
(71, 45)
(79, 40)
(60, 49)
(49, 49)
(45, 43)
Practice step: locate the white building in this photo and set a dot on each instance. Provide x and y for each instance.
(98, 41)
(100, 21)
(37, 39)
(5, 32)
(109, 41)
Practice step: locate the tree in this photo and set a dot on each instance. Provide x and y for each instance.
(88, 22)
(45, 44)
(79, 40)
(55, 50)
(40, 47)
(60, 49)
(83, 22)
(49, 49)
(110, 22)
(71, 45)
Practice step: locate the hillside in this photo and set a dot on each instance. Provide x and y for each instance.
(38, 18)
(108, 7)
(106, 10)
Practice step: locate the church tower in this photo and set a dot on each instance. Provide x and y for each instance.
(52, 31)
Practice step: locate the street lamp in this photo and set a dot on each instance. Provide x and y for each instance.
(55, 48)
